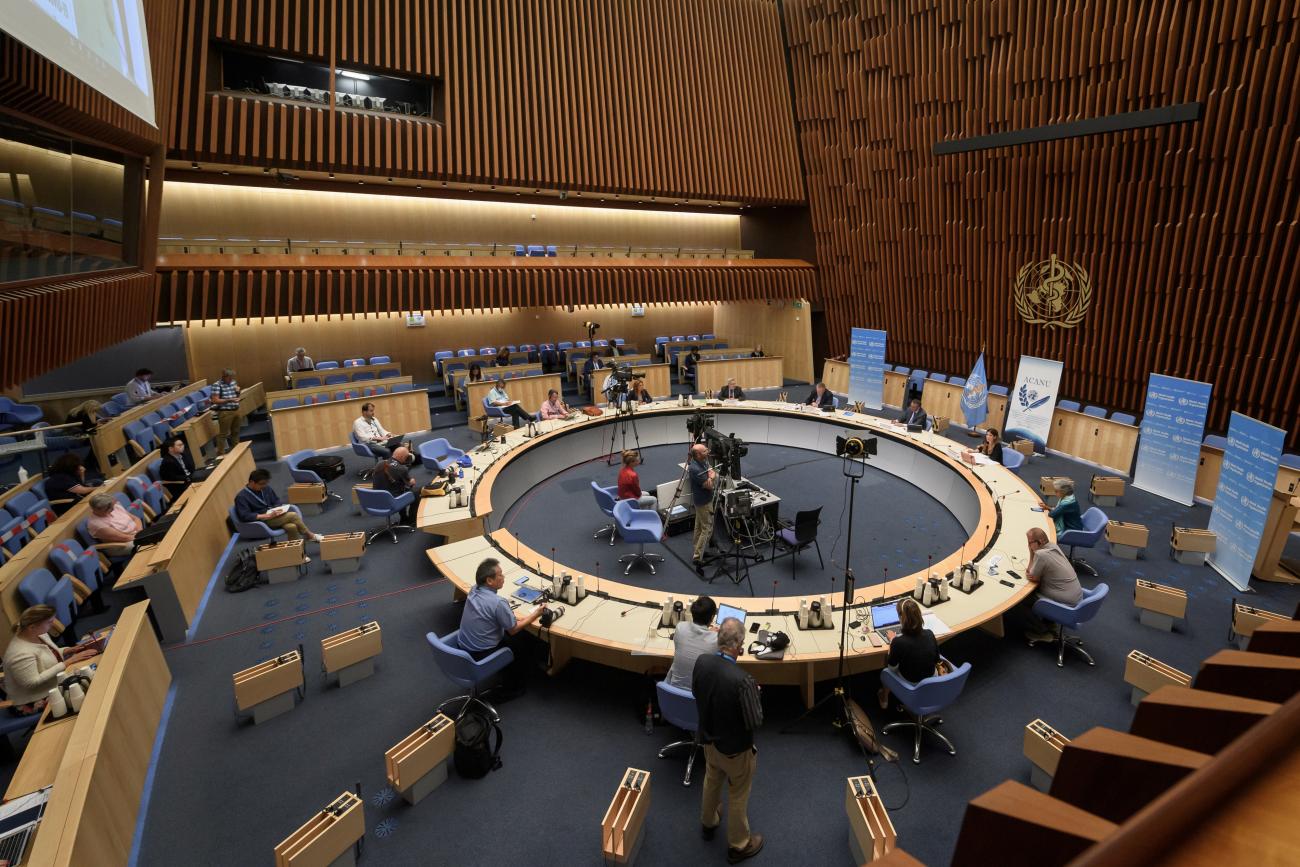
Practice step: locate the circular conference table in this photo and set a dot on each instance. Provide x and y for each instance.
(617, 623)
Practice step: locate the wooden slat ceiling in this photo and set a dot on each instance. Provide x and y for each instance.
(673, 98)
(1189, 232)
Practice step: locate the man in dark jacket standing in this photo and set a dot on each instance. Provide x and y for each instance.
(730, 711)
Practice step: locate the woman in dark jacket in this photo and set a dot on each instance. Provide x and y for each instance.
(914, 652)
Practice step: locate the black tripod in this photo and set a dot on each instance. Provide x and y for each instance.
(625, 419)
(838, 697)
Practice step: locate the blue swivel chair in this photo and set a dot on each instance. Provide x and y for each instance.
(390, 373)
(466, 672)
(639, 526)
(677, 706)
(1290, 461)
(487, 350)
(284, 402)
(923, 700)
(115, 553)
(155, 470)
(462, 353)
(799, 535)
(1094, 525)
(1072, 616)
(363, 376)
(40, 587)
(439, 453)
(937, 377)
(363, 450)
(494, 412)
(1000, 390)
(256, 529)
(149, 492)
(440, 356)
(382, 504)
(298, 474)
(1012, 459)
(605, 502)
(403, 386)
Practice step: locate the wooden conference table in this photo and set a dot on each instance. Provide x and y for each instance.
(619, 627)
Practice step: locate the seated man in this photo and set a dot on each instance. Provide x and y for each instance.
(369, 431)
(139, 389)
(488, 623)
(176, 471)
(110, 522)
(629, 483)
(66, 484)
(593, 362)
(299, 361)
(914, 415)
(820, 397)
(1052, 571)
(499, 398)
(258, 501)
(394, 475)
(731, 391)
(554, 406)
(688, 363)
(691, 639)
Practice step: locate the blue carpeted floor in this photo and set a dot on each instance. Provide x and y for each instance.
(226, 792)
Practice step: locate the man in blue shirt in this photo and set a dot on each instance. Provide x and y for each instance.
(499, 398)
(488, 623)
(258, 501)
(702, 481)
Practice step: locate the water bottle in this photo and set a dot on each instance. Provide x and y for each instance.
(22, 475)
(460, 472)
(649, 718)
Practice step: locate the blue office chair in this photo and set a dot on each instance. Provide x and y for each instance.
(380, 359)
(1072, 616)
(1094, 525)
(677, 706)
(83, 564)
(114, 553)
(439, 357)
(799, 535)
(32, 508)
(1070, 405)
(40, 587)
(937, 377)
(328, 365)
(922, 701)
(638, 526)
(155, 470)
(311, 382)
(298, 474)
(487, 350)
(363, 450)
(439, 453)
(256, 529)
(403, 386)
(959, 381)
(493, 411)
(390, 373)
(363, 376)
(149, 492)
(998, 390)
(1124, 418)
(353, 362)
(19, 415)
(466, 672)
(461, 353)
(13, 536)
(903, 370)
(605, 499)
(1012, 459)
(336, 379)
(382, 504)
(1094, 411)
(284, 402)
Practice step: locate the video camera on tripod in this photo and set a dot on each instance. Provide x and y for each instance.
(618, 381)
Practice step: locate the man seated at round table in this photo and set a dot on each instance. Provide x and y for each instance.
(500, 398)
(913, 415)
(554, 406)
(820, 397)
(629, 483)
(691, 639)
(1053, 573)
(731, 391)
(370, 431)
(393, 474)
(488, 622)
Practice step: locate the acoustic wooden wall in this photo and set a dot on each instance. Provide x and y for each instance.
(779, 327)
(679, 98)
(1189, 232)
(52, 321)
(260, 353)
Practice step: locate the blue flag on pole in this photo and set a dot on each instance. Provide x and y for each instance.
(975, 397)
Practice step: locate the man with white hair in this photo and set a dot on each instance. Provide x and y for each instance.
(730, 711)
(300, 360)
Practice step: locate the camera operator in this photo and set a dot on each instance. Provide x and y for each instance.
(703, 481)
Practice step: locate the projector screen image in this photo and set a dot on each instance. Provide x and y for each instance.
(101, 42)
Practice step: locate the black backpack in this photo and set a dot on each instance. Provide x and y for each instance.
(243, 575)
(474, 755)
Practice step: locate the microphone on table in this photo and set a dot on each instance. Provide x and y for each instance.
(772, 610)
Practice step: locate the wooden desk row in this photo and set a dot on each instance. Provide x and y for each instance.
(749, 373)
(657, 382)
(742, 351)
(300, 394)
(176, 572)
(457, 379)
(293, 379)
(329, 425)
(573, 369)
(530, 391)
(109, 438)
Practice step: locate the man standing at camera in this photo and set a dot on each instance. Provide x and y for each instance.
(703, 480)
(730, 712)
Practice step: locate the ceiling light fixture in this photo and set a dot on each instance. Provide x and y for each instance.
(347, 73)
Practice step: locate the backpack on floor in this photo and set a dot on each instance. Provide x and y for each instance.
(474, 755)
(243, 575)
(328, 467)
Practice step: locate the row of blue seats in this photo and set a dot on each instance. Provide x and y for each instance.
(344, 378)
(916, 380)
(676, 337)
(146, 433)
(370, 391)
(536, 250)
(353, 362)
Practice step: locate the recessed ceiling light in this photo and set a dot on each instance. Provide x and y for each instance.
(347, 73)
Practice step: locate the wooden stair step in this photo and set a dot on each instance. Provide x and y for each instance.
(1195, 719)
(1114, 774)
(1013, 825)
(1262, 676)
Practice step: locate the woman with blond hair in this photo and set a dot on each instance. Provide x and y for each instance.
(914, 652)
(629, 483)
(33, 662)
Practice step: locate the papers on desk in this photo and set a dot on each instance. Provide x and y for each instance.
(933, 623)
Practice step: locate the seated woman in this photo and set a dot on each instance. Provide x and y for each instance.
(554, 407)
(758, 352)
(66, 483)
(499, 398)
(914, 652)
(33, 663)
(637, 392)
(111, 523)
(503, 358)
(1066, 514)
(991, 446)
(475, 373)
(629, 483)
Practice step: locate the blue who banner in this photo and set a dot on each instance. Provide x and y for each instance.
(867, 367)
(1244, 495)
(1173, 423)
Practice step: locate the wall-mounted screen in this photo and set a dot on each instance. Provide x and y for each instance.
(101, 42)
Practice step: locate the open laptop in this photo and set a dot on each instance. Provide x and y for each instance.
(725, 611)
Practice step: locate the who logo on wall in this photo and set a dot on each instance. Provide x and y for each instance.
(1053, 293)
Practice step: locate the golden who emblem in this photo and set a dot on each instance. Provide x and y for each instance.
(1053, 293)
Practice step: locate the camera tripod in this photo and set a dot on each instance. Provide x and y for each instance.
(623, 421)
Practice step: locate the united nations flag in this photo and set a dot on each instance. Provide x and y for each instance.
(975, 397)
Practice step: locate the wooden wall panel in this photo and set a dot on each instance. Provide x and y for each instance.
(780, 328)
(1190, 232)
(672, 98)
